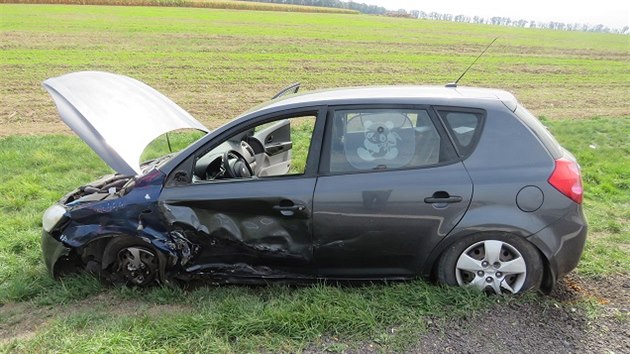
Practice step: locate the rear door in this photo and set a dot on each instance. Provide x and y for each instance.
(391, 186)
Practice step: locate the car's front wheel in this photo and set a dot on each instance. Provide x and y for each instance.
(500, 264)
(134, 264)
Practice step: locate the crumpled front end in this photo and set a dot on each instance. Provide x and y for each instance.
(55, 254)
(77, 229)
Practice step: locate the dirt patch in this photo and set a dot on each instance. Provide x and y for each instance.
(533, 327)
(21, 321)
(9, 129)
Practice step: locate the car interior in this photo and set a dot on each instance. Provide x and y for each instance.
(264, 151)
(380, 139)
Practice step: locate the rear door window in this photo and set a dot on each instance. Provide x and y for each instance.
(384, 139)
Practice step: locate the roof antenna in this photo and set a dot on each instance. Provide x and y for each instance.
(293, 88)
(454, 84)
(168, 141)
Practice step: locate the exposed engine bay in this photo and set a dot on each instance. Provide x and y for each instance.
(107, 187)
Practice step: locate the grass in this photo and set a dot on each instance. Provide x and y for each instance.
(603, 150)
(217, 63)
(274, 318)
(238, 319)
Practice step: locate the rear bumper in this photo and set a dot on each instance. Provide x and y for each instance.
(52, 251)
(562, 243)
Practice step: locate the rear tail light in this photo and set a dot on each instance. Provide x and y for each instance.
(566, 178)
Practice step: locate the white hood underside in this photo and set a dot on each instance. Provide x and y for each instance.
(117, 116)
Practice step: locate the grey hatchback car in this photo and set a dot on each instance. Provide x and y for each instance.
(462, 185)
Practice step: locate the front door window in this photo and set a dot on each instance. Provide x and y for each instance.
(276, 148)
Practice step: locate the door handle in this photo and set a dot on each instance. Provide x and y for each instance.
(442, 197)
(288, 208)
(296, 207)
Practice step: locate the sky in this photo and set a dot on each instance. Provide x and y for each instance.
(611, 13)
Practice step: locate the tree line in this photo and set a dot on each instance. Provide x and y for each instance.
(506, 21)
(496, 20)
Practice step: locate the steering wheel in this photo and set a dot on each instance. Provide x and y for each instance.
(235, 165)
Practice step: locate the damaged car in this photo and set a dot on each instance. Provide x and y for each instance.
(461, 185)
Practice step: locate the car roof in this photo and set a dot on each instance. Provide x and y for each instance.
(423, 94)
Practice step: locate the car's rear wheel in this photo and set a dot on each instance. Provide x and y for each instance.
(499, 264)
(134, 265)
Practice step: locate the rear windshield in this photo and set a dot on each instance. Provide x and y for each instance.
(540, 131)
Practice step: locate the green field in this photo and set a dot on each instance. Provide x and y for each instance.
(218, 63)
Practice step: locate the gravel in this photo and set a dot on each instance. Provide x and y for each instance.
(560, 326)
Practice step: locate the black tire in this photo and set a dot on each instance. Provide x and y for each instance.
(134, 263)
(511, 264)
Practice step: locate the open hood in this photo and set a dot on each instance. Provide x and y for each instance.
(117, 116)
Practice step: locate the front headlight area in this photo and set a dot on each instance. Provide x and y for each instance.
(53, 216)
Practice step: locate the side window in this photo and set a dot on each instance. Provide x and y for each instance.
(464, 127)
(275, 148)
(382, 139)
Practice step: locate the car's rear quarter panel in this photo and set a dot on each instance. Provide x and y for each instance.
(508, 157)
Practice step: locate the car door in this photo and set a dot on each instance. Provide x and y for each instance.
(259, 226)
(391, 186)
(276, 143)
